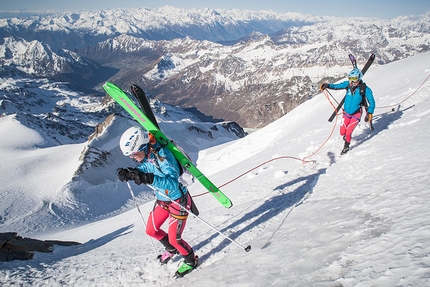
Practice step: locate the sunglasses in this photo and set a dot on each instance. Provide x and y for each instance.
(143, 148)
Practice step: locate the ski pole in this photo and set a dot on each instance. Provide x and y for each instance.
(333, 97)
(247, 248)
(141, 216)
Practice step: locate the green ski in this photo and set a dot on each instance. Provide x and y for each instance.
(124, 100)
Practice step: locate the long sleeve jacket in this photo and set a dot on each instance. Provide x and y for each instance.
(165, 168)
(353, 98)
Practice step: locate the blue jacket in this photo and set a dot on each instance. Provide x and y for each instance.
(166, 173)
(353, 100)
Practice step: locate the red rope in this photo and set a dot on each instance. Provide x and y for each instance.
(332, 130)
(266, 162)
(248, 171)
(409, 95)
(314, 153)
(282, 157)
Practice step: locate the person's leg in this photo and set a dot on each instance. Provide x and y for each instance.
(156, 219)
(353, 122)
(348, 125)
(177, 222)
(345, 123)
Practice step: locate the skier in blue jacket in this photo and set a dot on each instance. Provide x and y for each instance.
(159, 168)
(352, 108)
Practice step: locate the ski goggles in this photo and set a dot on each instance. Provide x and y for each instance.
(143, 148)
(353, 78)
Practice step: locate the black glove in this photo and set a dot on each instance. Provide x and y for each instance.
(139, 177)
(126, 173)
(324, 86)
(143, 177)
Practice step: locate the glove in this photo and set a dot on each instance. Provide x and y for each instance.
(143, 177)
(126, 173)
(368, 118)
(139, 177)
(324, 86)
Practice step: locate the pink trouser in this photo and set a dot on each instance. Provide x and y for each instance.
(177, 219)
(349, 124)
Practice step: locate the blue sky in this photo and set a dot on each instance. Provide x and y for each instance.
(385, 9)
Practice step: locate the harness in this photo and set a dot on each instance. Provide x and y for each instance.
(167, 205)
(352, 116)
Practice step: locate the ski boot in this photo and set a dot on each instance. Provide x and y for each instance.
(345, 148)
(166, 256)
(190, 263)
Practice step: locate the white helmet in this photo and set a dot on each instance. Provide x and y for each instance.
(132, 139)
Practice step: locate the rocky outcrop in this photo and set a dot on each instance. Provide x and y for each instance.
(14, 247)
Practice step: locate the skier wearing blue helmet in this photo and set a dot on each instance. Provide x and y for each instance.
(354, 101)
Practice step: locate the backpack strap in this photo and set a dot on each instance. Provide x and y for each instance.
(362, 88)
(156, 158)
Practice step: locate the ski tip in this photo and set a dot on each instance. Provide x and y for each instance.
(248, 248)
(109, 85)
(135, 88)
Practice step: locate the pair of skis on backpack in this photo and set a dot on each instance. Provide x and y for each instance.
(144, 116)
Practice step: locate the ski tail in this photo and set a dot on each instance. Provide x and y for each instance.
(368, 63)
(353, 61)
(144, 103)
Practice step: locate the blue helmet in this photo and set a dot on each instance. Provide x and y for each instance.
(355, 75)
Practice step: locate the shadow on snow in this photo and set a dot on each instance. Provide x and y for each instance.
(269, 209)
(382, 122)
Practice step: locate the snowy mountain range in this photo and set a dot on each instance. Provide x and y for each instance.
(79, 29)
(312, 217)
(245, 66)
(59, 117)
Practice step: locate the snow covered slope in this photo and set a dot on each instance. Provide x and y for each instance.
(356, 220)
